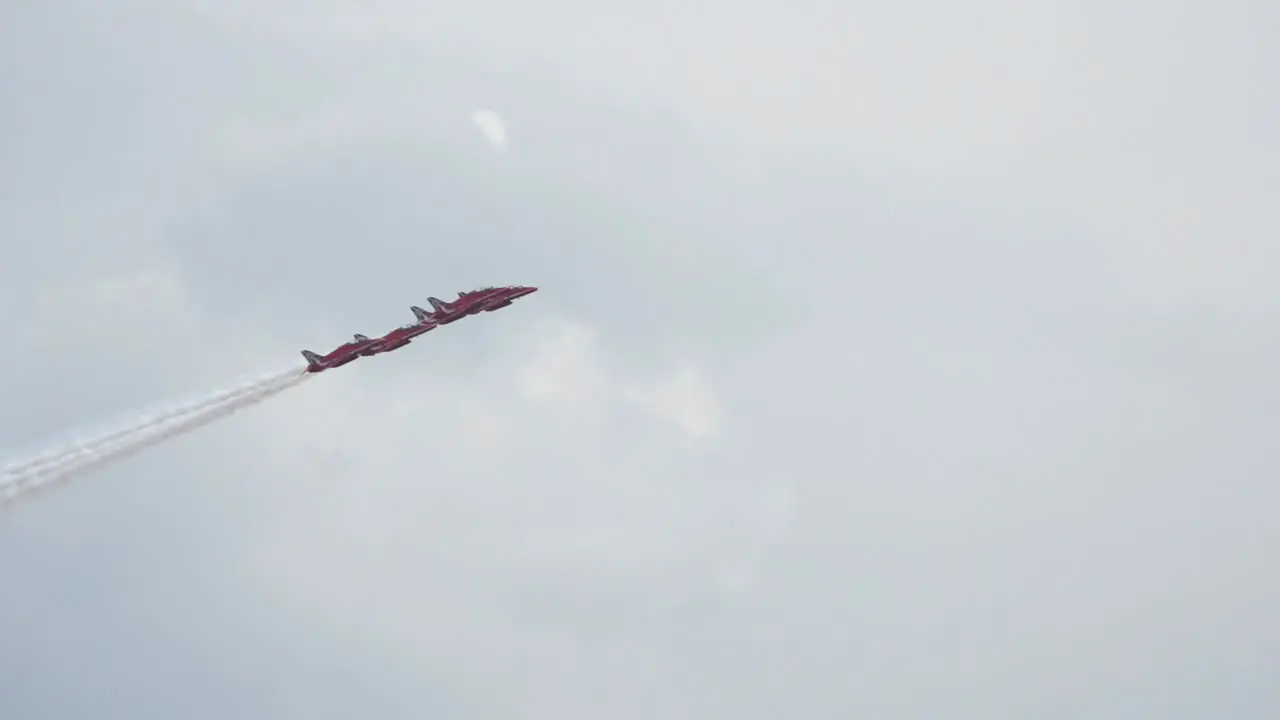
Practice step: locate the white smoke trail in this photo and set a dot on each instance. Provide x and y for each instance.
(123, 444)
(91, 452)
(62, 453)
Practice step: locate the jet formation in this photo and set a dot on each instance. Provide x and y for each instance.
(471, 302)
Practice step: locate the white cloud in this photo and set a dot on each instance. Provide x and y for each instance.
(684, 399)
(566, 368)
(142, 304)
(493, 127)
(563, 366)
(1022, 104)
(549, 479)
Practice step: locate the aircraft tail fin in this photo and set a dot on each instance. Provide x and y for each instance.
(312, 358)
(437, 304)
(422, 315)
(361, 338)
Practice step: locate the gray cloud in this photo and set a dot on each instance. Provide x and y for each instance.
(862, 378)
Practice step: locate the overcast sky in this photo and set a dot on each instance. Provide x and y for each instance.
(893, 363)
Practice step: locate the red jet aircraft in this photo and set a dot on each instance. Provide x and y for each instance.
(342, 355)
(472, 302)
(397, 338)
(505, 296)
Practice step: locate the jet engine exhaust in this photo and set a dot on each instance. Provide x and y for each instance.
(24, 479)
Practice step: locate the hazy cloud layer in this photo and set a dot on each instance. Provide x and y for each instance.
(906, 363)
